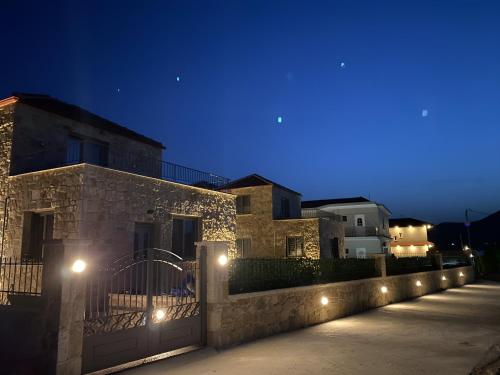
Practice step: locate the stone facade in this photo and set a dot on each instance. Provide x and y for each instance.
(6, 134)
(41, 137)
(102, 206)
(268, 234)
(244, 317)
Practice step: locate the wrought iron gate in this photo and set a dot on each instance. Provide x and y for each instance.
(142, 305)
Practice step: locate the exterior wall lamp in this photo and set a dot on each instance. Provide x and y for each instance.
(324, 300)
(222, 259)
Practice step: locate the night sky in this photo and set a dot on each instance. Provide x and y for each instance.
(397, 101)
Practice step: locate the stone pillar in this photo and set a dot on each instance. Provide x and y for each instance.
(64, 291)
(380, 264)
(438, 259)
(213, 285)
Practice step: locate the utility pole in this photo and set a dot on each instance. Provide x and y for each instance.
(467, 225)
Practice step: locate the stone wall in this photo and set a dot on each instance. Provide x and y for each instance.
(6, 129)
(40, 142)
(102, 205)
(239, 318)
(268, 236)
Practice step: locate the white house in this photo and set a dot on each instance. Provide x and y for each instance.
(366, 223)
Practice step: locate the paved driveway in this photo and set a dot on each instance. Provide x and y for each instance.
(444, 333)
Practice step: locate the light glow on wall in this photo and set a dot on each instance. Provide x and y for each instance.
(78, 266)
(461, 274)
(384, 289)
(324, 301)
(443, 278)
(222, 260)
(160, 315)
(418, 283)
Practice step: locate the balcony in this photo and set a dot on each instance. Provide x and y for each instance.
(309, 213)
(129, 162)
(362, 231)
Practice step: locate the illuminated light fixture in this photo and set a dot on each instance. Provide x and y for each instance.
(466, 247)
(461, 274)
(443, 278)
(222, 260)
(384, 289)
(471, 256)
(410, 226)
(78, 266)
(418, 283)
(397, 227)
(429, 226)
(430, 246)
(324, 301)
(160, 315)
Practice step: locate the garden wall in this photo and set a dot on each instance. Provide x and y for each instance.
(233, 319)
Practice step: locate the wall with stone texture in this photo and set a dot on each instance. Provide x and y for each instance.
(102, 205)
(244, 317)
(6, 130)
(44, 135)
(268, 236)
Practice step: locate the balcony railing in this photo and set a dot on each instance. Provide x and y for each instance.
(129, 162)
(361, 231)
(308, 213)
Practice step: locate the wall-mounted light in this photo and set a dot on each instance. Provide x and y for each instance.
(443, 278)
(418, 283)
(222, 259)
(324, 301)
(384, 289)
(78, 266)
(429, 226)
(461, 274)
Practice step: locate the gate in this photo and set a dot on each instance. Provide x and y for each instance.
(142, 305)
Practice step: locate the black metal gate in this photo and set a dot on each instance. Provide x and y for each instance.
(142, 305)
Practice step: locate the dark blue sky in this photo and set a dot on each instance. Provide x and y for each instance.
(352, 130)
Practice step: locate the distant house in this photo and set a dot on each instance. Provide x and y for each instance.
(69, 174)
(409, 237)
(366, 223)
(269, 223)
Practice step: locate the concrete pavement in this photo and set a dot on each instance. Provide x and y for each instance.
(443, 333)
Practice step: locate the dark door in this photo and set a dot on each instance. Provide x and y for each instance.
(40, 227)
(334, 243)
(184, 235)
(143, 237)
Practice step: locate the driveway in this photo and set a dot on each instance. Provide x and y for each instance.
(443, 333)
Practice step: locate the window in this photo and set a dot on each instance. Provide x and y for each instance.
(38, 228)
(359, 222)
(81, 150)
(285, 208)
(347, 251)
(344, 218)
(295, 246)
(243, 247)
(400, 235)
(243, 204)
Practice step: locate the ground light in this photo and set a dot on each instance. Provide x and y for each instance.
(324, 301)
(160, 315)
(78, 266)
(443, 278)
(384, 289)
(222, 260)
(418, 283)
(461, 274)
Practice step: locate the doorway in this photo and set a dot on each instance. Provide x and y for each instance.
(185, 232)
(143, 238)
(334, 246)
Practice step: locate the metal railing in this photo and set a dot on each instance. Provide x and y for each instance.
(126, 162)
(361, 231)
(308, 213)
(19, 277)
(252, 275)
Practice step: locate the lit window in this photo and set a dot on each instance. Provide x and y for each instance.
(295, 246)
(243, 204)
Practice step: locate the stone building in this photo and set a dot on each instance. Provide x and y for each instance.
(66, 173)
(269, 223)
(409, 237)
(366, 223)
